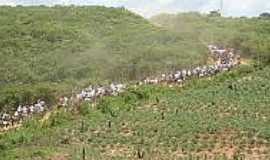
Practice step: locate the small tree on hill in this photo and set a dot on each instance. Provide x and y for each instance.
(215, 13)
(265, 15)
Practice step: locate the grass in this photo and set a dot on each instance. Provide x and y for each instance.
(204, 119)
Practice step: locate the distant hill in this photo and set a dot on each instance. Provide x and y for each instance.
(250, 35)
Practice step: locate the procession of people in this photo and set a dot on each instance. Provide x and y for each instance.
(89, 94)
(225, 59)
(21, 113)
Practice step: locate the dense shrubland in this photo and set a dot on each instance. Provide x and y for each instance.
(53, 44)
(249, 35)
(73, 45)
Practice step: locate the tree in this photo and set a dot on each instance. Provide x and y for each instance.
(215, 13)
(265, 15)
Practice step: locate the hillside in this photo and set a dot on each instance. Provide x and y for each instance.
(49, 52)
(51, 49)
(248, 35)
(222, 118)
(52, 44)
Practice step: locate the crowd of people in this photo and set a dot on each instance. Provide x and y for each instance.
(225, 59)
(92, 93)
(89, 94)
(22, 112)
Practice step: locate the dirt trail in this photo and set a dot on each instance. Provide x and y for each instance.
(245, 61)
(9, 128)
(46, 116)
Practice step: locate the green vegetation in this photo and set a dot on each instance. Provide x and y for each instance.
(69, 46)
(249, 35)
(47, 51)
(224, 116)
(54, 44)
(75, 45)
